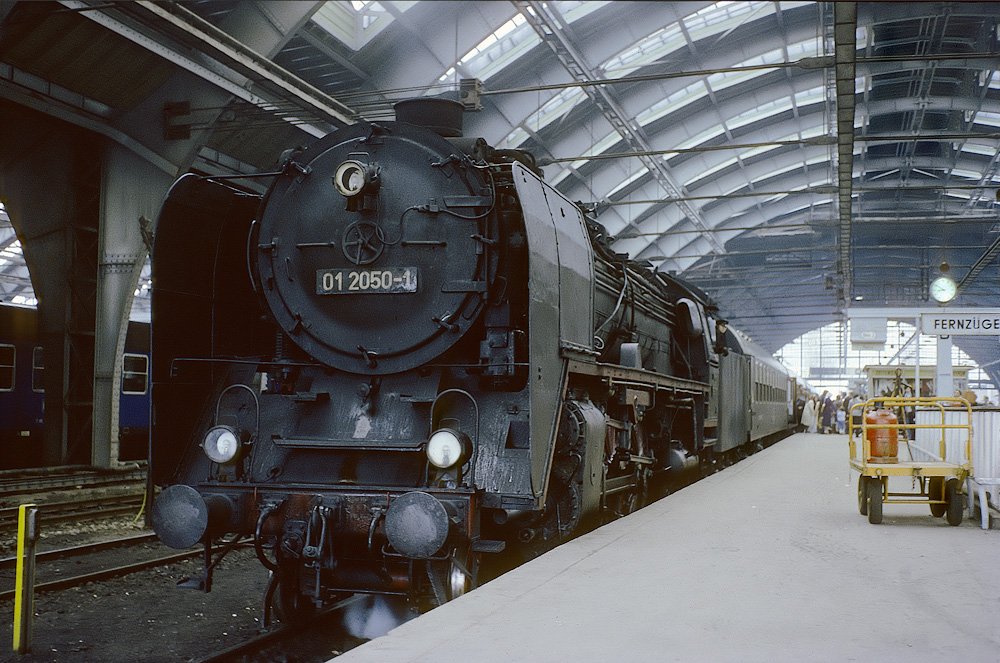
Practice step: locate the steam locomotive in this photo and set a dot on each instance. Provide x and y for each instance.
(412, 355)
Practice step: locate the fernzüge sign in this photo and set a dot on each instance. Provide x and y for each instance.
(985, 322)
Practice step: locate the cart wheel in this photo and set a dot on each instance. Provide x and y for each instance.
(863, 495)
(936, 492)
(954, 499)
(874, 501)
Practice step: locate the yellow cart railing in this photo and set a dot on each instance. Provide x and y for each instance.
(940, 482)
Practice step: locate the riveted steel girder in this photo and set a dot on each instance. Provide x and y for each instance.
(845, 50)
(131, 193)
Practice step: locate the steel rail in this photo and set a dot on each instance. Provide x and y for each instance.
(77, 510)
(240, 651)
(106, 574)
(84, 549)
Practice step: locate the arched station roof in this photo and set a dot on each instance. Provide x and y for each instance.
(793, 159)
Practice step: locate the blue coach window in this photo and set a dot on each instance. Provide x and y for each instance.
(135, 374)
(38, 369)
(6, 367)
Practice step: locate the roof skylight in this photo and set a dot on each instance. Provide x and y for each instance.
(356, 23)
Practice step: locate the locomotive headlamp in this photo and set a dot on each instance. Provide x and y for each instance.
(447, 448)
(221, 444)
(352, 178)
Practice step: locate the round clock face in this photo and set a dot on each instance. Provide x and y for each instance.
(943, 289)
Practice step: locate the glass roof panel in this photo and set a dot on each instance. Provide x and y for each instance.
(674, 101)
(711, 171)
(703, 137)
(511, 40)
(652, 48)
(514, 139)
(354, 22)
(991, 119)
(556, 107)
(724, 16)
(15, 283)
(781, 171)
(656, 46)
(12, 254)
(979, 149)
(826, 358)
(560, 176)
(498, 49)
(628, 180)
(759, 112)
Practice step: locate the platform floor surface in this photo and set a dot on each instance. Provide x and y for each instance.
(768, 560)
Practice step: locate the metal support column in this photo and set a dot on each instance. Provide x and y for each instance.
(48, 185)
(943, 378)
(131, 188)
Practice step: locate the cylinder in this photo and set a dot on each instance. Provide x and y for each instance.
(884, 442)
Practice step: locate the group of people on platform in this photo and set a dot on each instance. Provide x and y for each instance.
(826, 414)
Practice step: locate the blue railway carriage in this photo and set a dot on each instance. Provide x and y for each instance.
(22, 391)
(133, 399)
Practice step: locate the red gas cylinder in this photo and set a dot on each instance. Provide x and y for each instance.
(884, 441)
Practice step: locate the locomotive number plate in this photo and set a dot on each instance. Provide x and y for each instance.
(366, 281)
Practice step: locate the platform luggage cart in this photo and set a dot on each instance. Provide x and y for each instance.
(885, 428)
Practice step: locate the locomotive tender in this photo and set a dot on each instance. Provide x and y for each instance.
(412, 353)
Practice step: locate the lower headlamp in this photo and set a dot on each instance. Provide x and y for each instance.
(447, 448)
(221, 444)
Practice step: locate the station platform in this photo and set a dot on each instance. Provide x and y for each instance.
(768, 560)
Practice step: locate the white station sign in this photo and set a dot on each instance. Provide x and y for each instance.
(981, 322)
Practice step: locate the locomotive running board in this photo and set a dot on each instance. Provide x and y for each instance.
(637, 375)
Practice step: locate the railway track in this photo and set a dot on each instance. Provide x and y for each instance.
(29, 483)
(323, 637)
(86, 548)
(103, 572)
(79, 510)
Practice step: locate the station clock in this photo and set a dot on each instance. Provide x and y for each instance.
(943, 289)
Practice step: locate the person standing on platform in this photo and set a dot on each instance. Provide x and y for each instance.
(829, 414)
(855, 414)
(809, 414)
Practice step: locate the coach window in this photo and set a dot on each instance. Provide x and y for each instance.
(135, 374)
(38, 369)
(6, 367)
